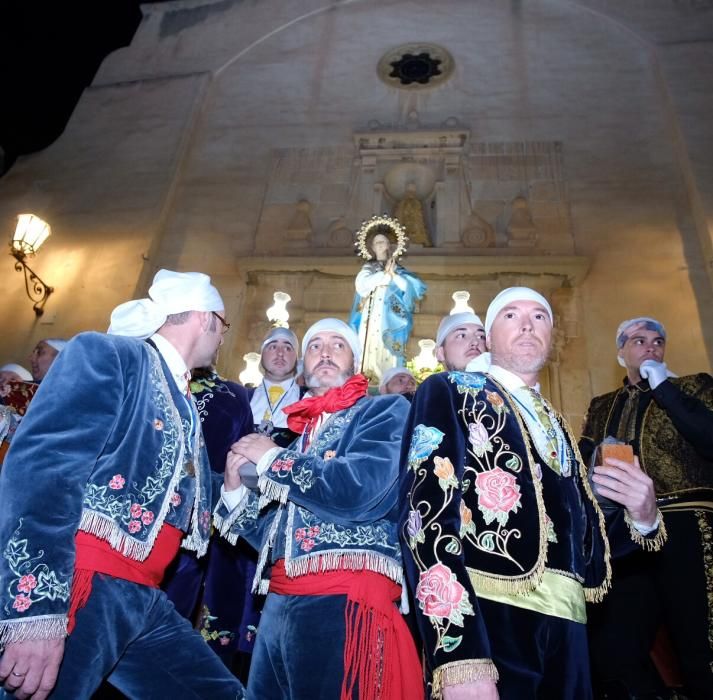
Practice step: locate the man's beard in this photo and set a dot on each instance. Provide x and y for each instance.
(312, 381)
(519, 364)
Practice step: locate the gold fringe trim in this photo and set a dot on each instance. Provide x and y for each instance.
(597, 593)
(508, 585)
(458, 672)
(40, 627)
(648, 544)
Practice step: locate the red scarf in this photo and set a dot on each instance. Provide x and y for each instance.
(302, 413)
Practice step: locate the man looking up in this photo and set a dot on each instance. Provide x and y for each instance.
(669, 423)
(460, 339)
(325, 521)
(504, 539)
(106, 477)
(278, 389)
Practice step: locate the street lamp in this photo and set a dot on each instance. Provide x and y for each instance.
(30, 233)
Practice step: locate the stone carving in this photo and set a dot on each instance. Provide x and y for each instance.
(478, 233)
(299, 230)
(521, 230)
(409, 212)
(338, 235)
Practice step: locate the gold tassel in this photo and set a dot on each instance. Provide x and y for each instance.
(458, 672)
(648, 544)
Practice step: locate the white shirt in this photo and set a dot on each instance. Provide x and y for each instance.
(259, 402)
(176, 364)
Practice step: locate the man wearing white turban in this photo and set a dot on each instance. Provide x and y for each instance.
(324, 522)
(460, 339)
(504, 540)
(668, 421)
(43, 355)
(106, 477)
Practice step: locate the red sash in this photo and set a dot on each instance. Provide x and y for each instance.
(380, 657)
(95, 556)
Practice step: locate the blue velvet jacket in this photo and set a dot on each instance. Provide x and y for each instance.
(482, 512)
(334, 506)
(106, 447)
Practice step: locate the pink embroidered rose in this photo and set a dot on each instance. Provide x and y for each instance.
(282, 465)
(498, 494)
(205, 519)
(479, 438)
(300, 534)
(22, 602)
(175, 499)
(224, 641)
(329, 454)
(307, 544)
(27, 583)
(134, 526)
(314, 531)
(117, 482)
(440, 595)
(135, 510)
(147, 517)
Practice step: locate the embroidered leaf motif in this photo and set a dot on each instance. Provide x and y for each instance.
(514, 464)
(450, 643)
(465, 485)
(453, 547)
(94, 495)
(487, 541)
(16, 552)
(49, 587)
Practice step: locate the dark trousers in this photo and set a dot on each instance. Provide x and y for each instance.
(299, 648)
(538, 657)
(133, 636)
(670, 586)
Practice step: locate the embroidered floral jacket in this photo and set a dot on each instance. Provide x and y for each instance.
(105, 447)
(482, 511)
(333, 506)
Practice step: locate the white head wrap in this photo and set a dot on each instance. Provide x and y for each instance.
(390, 374)
(19, 370)
(283, 333)
(170, 293)
(448, 323)
(338, 327)
(510, 295)
(56, 343)
(648, 323)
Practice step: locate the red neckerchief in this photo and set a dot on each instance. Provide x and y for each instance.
(301, 413)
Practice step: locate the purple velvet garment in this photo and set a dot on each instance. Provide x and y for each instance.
(228, 612)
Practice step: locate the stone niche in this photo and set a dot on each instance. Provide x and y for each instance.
(450, 194)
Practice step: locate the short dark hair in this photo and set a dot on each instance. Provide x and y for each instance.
(177, 319)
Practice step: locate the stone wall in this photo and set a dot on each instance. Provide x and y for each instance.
(564, 149)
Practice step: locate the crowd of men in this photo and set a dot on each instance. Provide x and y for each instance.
(174, 534)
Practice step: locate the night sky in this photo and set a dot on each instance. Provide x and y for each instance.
(49, 52)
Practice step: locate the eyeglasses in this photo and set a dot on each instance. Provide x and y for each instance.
(226, 325)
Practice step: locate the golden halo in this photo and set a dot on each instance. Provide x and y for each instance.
(376, 222)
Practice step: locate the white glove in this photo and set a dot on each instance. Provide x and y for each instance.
(655, 372)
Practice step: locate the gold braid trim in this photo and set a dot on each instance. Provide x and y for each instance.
(648, 544)
(596, 594)
(459, 672)
(707, 545)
